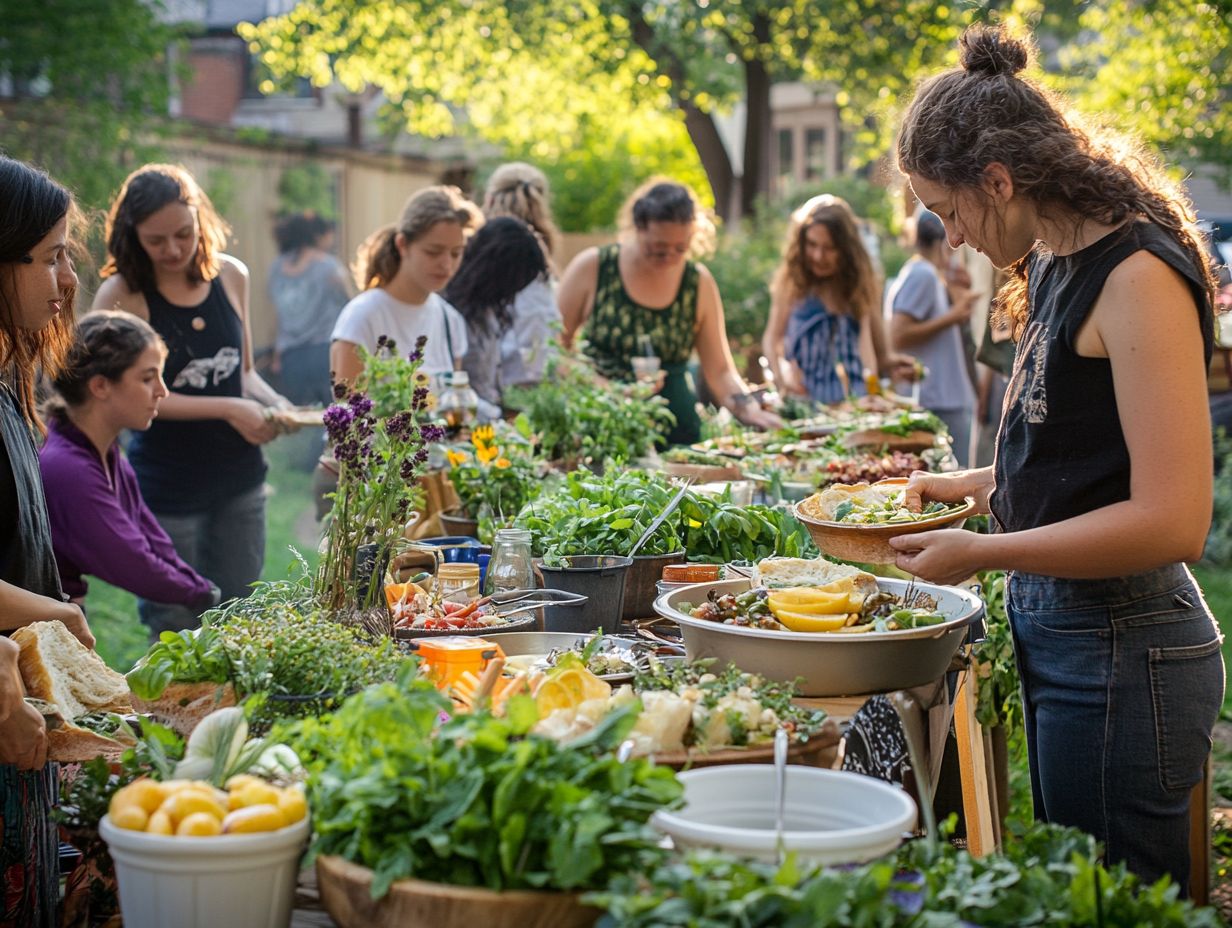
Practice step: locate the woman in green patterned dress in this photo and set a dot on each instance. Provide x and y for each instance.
(645, 290)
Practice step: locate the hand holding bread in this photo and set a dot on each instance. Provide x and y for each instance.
(23, 736)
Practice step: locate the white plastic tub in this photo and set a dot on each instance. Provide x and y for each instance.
(830, 816)
(236, 881)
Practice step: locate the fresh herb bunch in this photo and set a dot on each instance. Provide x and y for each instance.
(577, 420)
(495, 477)
(1000, 694)
(717, 531)
(1047, 875)
(379, 457)
(607, 514)
(903, 423)
(714, 685)
(475, 801)
(273, 643)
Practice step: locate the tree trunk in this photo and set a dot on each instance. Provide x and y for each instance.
(703, 132)
(755, 181)
(716, 162)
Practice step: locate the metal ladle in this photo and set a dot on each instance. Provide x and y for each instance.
(780, 791)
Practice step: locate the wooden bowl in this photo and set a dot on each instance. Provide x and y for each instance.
(870, 438)
(870, 544)
(346, 893)
(821, 750)
(703, 473)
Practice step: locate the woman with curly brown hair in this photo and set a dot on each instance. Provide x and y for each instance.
(200, 464)
(825, 323)
(1101, 486)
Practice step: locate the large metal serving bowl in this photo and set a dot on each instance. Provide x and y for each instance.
(830, 664)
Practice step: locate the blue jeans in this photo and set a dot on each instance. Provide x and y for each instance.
(1122, 683)
(225, 545)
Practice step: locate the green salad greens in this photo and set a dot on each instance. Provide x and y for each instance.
(474, 800)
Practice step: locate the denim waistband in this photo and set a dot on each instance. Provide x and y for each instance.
(1036, 591)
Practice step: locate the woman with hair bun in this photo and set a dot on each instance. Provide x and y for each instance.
(112, 380)
(1101, 486)
(646, 289)
(520, 191)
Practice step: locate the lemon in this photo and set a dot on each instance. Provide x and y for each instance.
(131, 817)
(292, 804)
(264, 817)
(813, 594)
(552, 695)
(241, 780)
(253, 793)
(145, 793)
(805, 622)
(190, 801)
(840, 602)
(199, 825)
(159, 824)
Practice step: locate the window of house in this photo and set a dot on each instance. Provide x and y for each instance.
(815, 165)
(786, 166)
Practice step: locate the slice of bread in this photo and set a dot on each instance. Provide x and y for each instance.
(59, 669)
(824, 504)
(72, 744)
(781, 572)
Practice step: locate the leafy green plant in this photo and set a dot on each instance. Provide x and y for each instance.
(1000, 696)
(1219, 539)
(1047, 875)
(593, 514)
(717, 531)
(474, 800)
(575, 420)
(496, 477)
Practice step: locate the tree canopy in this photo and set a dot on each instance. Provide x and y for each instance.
(546, 80)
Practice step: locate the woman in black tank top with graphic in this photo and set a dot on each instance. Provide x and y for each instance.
(1101, 487)
(200, 464)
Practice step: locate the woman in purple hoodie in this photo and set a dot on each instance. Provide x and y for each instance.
(111, 381)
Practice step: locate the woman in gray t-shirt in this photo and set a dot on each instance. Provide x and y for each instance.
(308, 287)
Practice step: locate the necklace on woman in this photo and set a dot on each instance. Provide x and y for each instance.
(198, 324)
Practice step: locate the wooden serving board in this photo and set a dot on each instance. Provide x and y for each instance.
(821, 750)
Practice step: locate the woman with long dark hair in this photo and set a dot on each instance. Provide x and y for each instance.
(200, 464)
(500, 260)
(1101, 486)
(37, 289)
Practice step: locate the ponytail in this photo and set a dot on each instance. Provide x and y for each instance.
(377, 260)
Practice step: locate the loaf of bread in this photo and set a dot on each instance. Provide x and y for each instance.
(60, 671)
(782, 572)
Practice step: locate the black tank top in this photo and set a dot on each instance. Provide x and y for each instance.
(1061, 451)
(195, 465)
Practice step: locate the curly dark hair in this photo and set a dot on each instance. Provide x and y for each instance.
(983, 111)
(502, 258)
(855, 279)
(293, 232)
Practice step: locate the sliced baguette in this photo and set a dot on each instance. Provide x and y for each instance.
(59, 669)
(70, 743)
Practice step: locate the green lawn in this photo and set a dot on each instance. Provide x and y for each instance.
(1216, 584)
(112, 612)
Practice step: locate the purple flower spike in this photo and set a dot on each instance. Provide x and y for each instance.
(407, 470)
(340, 391)
(360, 404)
(431, 433)
(338, 421)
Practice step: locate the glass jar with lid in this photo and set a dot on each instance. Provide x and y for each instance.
(510, 567)
(458, 405)
(458, 583)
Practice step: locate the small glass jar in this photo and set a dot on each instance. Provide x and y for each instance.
(458, 583)
(510, 567)
(458, 405)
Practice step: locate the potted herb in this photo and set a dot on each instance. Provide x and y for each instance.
(494, 480)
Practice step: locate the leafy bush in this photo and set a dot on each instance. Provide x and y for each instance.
(1219, 540)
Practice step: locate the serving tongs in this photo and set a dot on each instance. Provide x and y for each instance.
(511, 602)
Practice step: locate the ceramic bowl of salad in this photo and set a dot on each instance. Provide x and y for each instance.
(725, 620)
(855, 522)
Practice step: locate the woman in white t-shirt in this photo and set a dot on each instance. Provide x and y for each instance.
(400, 268)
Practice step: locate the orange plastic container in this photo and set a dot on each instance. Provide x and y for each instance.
(449, 657)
